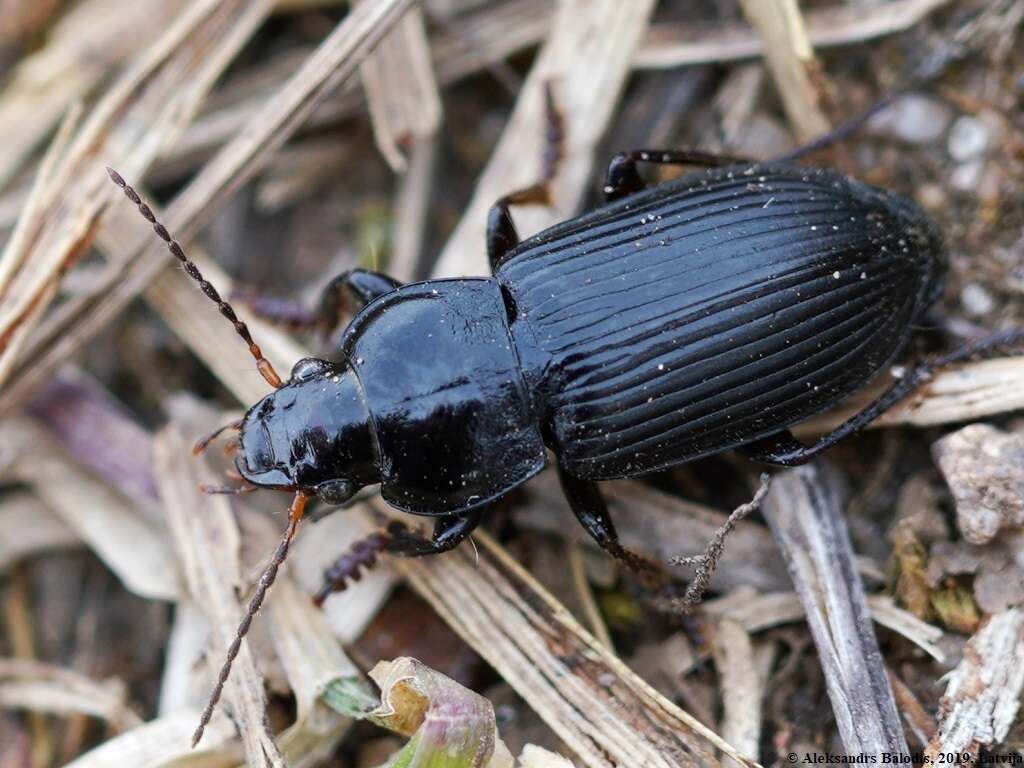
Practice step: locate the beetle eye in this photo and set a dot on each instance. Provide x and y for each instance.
(308, 367)
(335, 492)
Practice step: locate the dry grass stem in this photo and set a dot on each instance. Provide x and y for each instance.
(133, 120)
(207, 542)
(85, 46)
(48, 533)
(405, 106)
(790, 58)
(742, 688)
(470, 43)
(585, 59)
(164, 742)
(332, 62)
(578, 568)
(601, 710)
(983, 695)
(133, 547)
(805, 514)
(669, 45)
(39, 687)
(757, 612)
(206, 539)
(412, 204)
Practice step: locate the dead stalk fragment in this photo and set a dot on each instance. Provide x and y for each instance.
(806, 517)
(983, 695)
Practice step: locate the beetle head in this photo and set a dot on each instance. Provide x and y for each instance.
(313, 434)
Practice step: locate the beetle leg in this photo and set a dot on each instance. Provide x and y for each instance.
(589, 506)
(352, 290)
(624, 179)
(284, 312)
(502, 236)
(780, 449)
(783, 449)
(449, 531)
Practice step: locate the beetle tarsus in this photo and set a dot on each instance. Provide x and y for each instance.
(359, 558)
(502, 236)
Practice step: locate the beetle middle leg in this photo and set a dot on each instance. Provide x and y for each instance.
(624, 179)
(502, 236)
(589, 506)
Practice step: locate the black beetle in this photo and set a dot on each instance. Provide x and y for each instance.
(707, 313)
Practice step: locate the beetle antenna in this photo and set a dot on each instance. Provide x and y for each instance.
(262, 364)
(298, 506)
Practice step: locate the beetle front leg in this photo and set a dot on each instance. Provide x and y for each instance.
(351, 290)
(624, 179)
(589, 506)
(449, 531)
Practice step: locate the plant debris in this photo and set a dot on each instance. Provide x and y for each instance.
(869, 602)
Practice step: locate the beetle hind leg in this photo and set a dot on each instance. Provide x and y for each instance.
(502, 236)
(785, 450)
(590, 509)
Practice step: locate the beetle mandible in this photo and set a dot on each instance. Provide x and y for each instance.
(704, 314)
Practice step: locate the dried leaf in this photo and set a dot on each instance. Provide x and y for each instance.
(447, 725)
(135, 548)
(41, 687)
